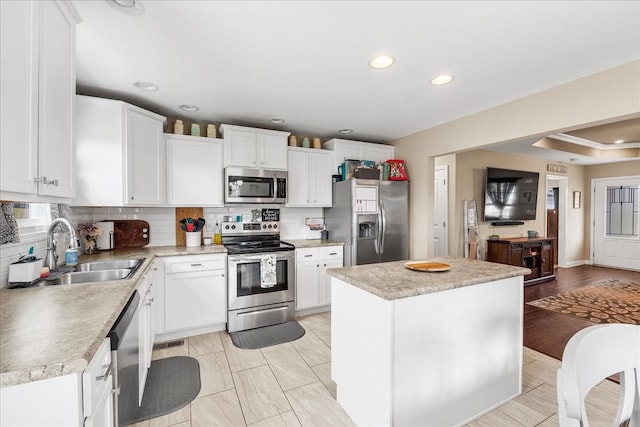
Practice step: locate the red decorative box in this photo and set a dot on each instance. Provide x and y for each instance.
(397, 171)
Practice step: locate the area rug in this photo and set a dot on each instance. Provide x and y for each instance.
(267, 335)
(610, 301)
(172, 383)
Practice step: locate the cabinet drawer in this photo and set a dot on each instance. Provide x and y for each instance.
(308, 254)
(96, 378)
(193, 264)
(331, 252)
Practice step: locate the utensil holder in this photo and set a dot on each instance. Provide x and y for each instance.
(193, 239)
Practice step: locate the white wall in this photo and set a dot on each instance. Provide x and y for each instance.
(604, 97)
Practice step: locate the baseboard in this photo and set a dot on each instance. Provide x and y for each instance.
(311, 311)
(185, 333)
(576, 263)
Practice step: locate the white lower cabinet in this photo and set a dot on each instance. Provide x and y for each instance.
(313, 287)
(146, 325)
(97, 385)
(195, 292)
(79, 399)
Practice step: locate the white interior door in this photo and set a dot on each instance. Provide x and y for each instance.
(615, 237)
(441, 211)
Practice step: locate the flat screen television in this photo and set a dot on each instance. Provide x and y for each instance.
(510, 195)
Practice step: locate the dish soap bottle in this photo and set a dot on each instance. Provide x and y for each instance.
(217, 237)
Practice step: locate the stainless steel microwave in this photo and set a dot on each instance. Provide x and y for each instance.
(255, 186)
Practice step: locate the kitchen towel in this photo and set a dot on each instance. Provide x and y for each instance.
(268, 277)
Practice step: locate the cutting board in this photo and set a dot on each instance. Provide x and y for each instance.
(427, 266)
(130, 233)
(195, 213)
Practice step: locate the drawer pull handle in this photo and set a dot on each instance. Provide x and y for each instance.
(106, 373)
(45, 181)
(307, 256)
(196, 265)
(333, 253)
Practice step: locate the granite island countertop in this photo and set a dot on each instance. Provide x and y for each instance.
(56, 330)
(391, 280)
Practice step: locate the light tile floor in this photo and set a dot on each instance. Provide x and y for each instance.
(290, 385)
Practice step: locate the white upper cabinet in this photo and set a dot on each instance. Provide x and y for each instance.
(254, 148)
(37, 82)
(357, 150)
(120, 154)
(309, 177)
(194, 170)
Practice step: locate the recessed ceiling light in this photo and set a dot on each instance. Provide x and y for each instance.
(618, 141)
(381, 61)
(188, 107)
(573, 159)
(277, 121)
(442, 79)
(345, 131)
(148, 86)
(130, 7)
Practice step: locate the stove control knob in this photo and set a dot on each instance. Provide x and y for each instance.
(233, 227)
(270, 226)
(226, 227)
(264, 226)
(275, 226)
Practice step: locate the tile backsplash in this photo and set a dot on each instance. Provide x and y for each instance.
(161, 221)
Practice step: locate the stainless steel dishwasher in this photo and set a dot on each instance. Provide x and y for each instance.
(124, 354)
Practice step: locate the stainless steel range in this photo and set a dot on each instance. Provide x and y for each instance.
(261, 272)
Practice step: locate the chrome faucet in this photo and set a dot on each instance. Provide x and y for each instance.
(51, 259)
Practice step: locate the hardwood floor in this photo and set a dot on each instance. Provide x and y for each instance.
(548, 332)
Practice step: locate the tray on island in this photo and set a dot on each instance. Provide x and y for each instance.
(427, 266)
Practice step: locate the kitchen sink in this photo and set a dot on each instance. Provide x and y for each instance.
(96, 271)
(109, 265)
(75, 277)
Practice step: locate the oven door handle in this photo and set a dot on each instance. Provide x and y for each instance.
(281, 255)
(264, 310)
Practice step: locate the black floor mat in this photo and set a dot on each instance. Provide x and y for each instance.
(172, 383)
(267, 335)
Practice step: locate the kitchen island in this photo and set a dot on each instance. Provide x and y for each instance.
(415, 348)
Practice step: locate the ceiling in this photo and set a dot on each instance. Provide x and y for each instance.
(247, 62)
(588, 146)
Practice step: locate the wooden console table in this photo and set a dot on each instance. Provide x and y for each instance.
(535, 254)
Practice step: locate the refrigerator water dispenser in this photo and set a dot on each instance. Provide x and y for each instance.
(367, 227)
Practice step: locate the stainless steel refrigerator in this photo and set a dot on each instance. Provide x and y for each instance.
(372, 218)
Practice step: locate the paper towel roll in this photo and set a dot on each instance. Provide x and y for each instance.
(104, 242)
